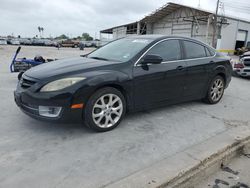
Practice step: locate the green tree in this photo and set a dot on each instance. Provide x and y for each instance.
(63, 36)
(87, 37)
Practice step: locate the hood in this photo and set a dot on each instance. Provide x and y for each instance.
(66, 66)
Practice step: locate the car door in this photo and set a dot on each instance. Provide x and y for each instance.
(160, 83)
(198, 60)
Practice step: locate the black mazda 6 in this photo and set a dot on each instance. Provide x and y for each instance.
(129, 74)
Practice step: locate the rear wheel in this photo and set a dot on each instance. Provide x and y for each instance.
(105, 109)
(215, 91)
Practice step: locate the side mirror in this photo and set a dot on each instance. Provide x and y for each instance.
(151, 59)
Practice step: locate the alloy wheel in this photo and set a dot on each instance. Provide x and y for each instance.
(217, 90)
(107, 110)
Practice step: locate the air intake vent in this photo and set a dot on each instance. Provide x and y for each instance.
(25, 83)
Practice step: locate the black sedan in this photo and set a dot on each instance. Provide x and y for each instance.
(129, 74)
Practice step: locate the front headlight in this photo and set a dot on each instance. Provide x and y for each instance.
(61, 84)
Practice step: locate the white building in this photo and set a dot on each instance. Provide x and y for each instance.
(182, 20)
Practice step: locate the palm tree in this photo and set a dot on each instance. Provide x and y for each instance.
(39, 29)
(42, 29)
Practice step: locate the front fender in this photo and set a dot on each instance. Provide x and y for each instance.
(98, 79)
(103, 77)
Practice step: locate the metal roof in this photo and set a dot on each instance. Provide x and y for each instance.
(110, 30)
(166, 10)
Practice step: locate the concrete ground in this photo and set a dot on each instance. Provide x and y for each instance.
(234, 175)
(39, 154)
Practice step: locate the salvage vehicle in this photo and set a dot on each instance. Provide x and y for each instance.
(3, 41)
(242, 68)
(126, 75)
(69, 43)
(24, 41)
(14, 42)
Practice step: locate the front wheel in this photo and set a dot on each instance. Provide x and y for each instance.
(105, 109)
(215, 91)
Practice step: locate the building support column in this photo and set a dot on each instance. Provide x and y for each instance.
(208, 25)
(138, 28)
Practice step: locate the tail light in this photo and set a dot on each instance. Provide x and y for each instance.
(239, 66)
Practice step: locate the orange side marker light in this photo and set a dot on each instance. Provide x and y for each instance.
(77, 106)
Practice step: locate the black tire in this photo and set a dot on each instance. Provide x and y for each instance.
(88, 117)
(208, 99)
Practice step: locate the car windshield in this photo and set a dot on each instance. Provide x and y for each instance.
(120, 50)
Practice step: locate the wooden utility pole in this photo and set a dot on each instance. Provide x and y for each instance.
(215, 35)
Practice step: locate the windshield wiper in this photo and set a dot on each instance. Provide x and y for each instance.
(99, 58)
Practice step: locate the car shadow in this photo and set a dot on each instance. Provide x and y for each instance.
(80, 129)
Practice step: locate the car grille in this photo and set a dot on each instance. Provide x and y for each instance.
(247, 62)
(25, 83)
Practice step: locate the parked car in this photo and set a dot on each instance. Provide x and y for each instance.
(3, 41)
(69, 43)
(89, 44)
(48, 42)
(38, 42)
(126, 75)
(243, 67)
(14, 42)
(25, 41)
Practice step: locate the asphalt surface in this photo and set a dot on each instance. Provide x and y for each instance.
(39, 154)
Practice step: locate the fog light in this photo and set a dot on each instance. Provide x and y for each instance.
(49, 111)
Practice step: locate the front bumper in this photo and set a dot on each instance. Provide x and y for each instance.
(29, 103)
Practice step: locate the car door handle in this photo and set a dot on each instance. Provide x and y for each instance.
(180, 68)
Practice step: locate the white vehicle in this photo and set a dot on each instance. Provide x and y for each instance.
(14, 42)
(3, 42)
(243, 67)
(24, 41)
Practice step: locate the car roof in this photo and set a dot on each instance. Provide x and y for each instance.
(156, 37)
(159, 37)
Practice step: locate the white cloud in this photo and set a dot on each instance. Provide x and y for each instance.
(73, 17)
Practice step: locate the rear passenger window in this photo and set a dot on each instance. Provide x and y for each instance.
(169, 50)
(194, 50)
(212, 52)
(208, 52)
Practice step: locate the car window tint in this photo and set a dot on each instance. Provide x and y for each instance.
(208, 52)
(194, 50)
(212, 52)
(169, 50)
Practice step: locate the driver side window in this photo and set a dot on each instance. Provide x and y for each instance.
(168, 50)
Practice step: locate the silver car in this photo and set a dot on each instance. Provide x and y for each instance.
(3, 42)
(243, 67)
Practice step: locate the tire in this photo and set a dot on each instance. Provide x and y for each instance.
(215, 90)
(100, 113)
